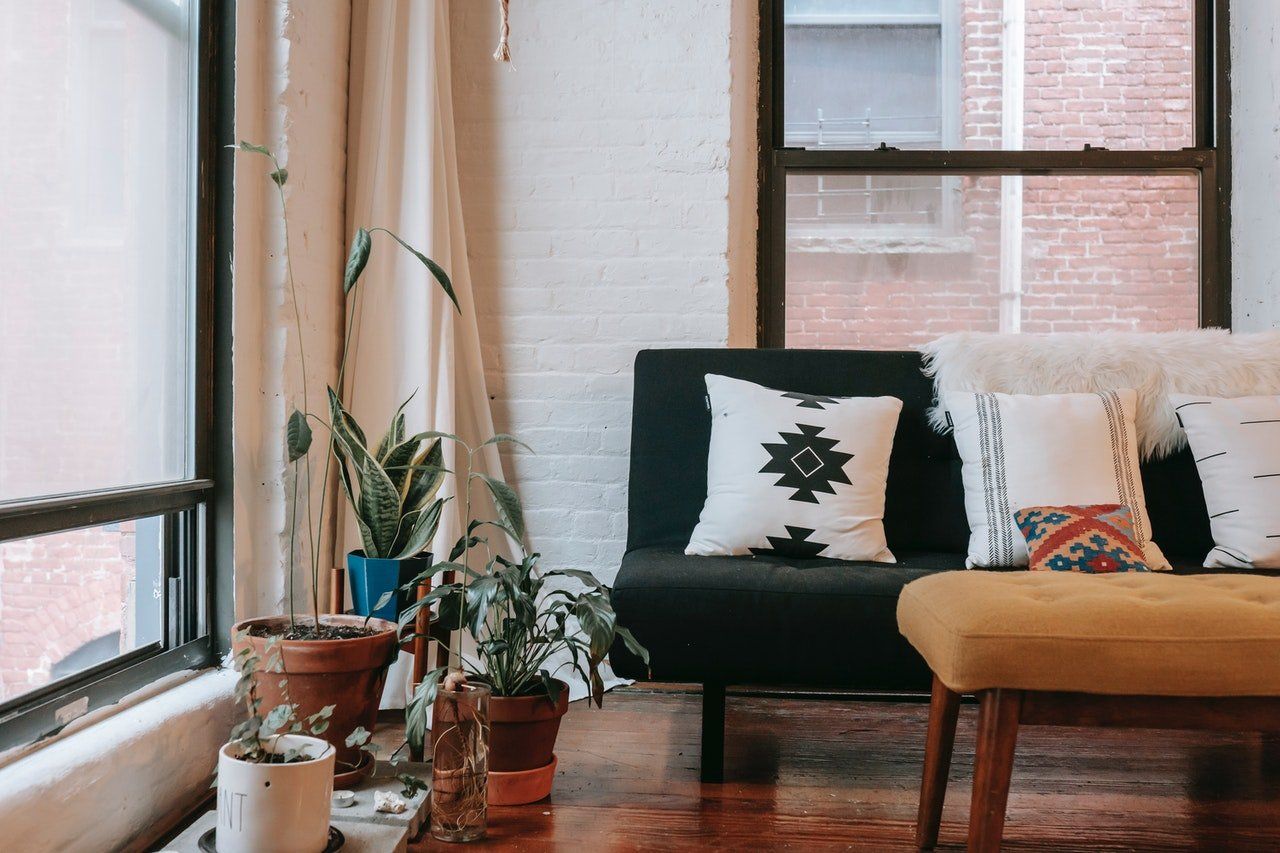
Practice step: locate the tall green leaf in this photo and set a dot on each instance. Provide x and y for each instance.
(507, 502)
(297, 435)
(394, 434)
(435, 269)
(427, 476)
(356, 260)
(503, 438)
(424, 530)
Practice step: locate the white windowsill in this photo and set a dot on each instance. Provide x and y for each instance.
(115, 778)
(880, 244)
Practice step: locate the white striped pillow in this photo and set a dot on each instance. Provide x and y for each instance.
(1020, 451)
(1236, 444)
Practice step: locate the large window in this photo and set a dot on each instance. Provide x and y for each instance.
(107, 351)
(989, 165)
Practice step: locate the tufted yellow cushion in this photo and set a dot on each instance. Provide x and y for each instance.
(1125, 634)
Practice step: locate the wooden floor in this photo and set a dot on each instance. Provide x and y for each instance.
(831, 774)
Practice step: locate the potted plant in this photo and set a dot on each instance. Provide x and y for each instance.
(392, 492)
(274, 781)
(527, 625)
(335, 661)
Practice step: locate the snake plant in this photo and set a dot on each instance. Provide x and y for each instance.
(392, 486)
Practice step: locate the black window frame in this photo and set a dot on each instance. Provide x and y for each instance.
(196, 512)
(1210, 159)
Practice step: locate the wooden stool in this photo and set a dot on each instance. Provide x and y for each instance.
(1056, 649)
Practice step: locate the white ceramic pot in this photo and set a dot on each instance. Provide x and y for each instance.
(275, 808)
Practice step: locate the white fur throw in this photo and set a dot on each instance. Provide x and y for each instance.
(1211, 362)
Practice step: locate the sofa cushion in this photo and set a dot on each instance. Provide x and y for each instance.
(1122, 634)
(795, 474)
(771, 619)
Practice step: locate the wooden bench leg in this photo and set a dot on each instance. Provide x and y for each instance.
(712, 732)
(944, 707)
(992, 767)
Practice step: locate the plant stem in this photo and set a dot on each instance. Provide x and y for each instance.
(466, 554)
(302, 358)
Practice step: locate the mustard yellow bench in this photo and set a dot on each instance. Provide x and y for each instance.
(1058, 649)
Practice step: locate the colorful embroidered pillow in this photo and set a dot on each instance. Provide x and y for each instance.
(1095, 539)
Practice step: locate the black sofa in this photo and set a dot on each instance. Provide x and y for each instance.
(817, 623)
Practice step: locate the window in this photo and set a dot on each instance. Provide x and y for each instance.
(991, 165)
(107, 351)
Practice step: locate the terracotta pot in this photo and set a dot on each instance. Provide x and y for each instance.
(524, 730)
(348, 674)
(521, 786)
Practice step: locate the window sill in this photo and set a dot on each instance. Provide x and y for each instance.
(885, 244)
(118, 776)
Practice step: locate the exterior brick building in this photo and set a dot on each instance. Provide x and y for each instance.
(1069, 253)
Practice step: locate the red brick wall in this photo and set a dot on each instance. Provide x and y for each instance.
(57, 593)
(1096, 253)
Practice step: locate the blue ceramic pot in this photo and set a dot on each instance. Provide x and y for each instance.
(371, 577)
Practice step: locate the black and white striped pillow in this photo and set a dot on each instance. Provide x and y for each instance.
(1236, 444)
(1021, 450)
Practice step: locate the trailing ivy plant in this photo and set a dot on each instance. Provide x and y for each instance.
(417, 510)
(521, 618)
(255, 736)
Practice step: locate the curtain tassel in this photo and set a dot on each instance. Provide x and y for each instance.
(503, 53)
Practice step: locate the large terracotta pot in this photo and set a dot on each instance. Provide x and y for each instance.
(348, 674)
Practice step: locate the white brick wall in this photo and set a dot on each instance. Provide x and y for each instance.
(594, 183)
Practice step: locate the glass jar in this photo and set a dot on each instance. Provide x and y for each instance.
(460, 763)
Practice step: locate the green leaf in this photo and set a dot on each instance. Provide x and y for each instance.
(359, 737)
(598, 622)
(416, 712)
(356, 260)
(378, 504)
(383, 601)
(480, 597)
(508, 503)
(585, 577)
(632, 644)
(423, 531)
(503, 438)
(279, 176)
(424, 482)
(551, 685)
(412, 785)
(256, 149)
(297, 435)
(394, 434)
(435, 269)
(276, 719)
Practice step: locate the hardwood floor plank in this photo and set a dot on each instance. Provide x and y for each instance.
(845, 775)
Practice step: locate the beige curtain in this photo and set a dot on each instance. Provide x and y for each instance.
(402, 175)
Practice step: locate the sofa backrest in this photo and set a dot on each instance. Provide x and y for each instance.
(671, 430)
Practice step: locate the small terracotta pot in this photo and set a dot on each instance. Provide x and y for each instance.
(348, 674)
(521, 786)
(524, 730)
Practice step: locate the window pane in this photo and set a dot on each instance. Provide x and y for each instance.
(984, 74)
(94, 288)
(71, 600)
(1034, 254)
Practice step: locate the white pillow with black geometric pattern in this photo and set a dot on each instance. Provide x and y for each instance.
(1020, 451)
(795, 474)
(1236, 445)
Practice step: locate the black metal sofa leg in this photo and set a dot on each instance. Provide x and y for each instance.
(713, 732)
